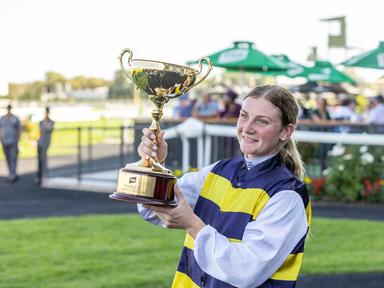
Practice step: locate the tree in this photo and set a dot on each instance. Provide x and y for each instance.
(81, 82)
(52, 79)
(121, 87)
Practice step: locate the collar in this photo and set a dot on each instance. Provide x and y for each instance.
(252, 162)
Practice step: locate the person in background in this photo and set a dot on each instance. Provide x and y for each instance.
(10, 130)
(207, 107)
(375, 115)
(183, 107)
(246, 217)
(230, 108)
(30, 131)
(345, 111)
(45, 128)
(321, 112)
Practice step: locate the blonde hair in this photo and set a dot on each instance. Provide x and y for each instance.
(286, 104)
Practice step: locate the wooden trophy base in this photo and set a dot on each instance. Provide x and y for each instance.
(140, 199)
(137, 184)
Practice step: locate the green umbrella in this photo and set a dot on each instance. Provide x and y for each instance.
(324, 71)
(370, 59)
(293, 68)
(243, 57)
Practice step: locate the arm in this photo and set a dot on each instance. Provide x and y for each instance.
(266, 243)
(190, 183)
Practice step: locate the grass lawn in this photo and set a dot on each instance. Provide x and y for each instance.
(124, 251)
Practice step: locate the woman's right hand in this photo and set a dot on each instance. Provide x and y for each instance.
(151, 147)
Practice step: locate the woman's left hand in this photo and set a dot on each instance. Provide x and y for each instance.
(181, 217)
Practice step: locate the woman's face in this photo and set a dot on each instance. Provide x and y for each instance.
(259, 128)
(321, 104)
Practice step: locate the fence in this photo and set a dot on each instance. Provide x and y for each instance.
(79, 150)
(192, 143)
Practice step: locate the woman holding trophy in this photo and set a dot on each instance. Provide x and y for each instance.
(247, 217)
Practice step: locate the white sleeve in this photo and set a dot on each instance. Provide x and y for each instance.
(266, 243)
(190, 185)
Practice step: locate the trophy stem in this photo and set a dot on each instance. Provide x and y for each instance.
(157, 113)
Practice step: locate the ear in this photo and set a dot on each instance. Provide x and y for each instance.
(287, 131)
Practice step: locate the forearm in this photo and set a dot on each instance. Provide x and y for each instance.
(195, 226)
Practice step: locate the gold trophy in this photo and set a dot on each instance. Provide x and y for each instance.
(147, 181)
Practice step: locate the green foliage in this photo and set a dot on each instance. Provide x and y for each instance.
(307, 151)
(355, 174)
(52, 78)
(120, 87)
(81, 82)
(125, 251)
(33, 91)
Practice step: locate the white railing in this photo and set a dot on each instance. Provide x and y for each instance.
(193, 128)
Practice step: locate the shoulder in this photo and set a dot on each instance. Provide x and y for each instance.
(282, 179)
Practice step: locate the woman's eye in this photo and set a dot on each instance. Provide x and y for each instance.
(262, 121)
(243, 116)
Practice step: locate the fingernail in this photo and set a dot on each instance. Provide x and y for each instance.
(146, 157)
(154, 147)
(153, 154)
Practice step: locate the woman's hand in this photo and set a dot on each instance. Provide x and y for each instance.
(181, 217)
(151, 147)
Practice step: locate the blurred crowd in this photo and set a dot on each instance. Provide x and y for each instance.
(313, 107)
(346, 108)
(211, 105)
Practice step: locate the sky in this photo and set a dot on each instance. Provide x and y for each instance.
(81, 37)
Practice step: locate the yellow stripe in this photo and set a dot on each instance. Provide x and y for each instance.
(189, 242)
(220, 191)
(182, 280)
(308, 211)
(290, 269)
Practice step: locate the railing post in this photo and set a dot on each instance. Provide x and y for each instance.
(186, 153)
(122, 130)
(79, 164)
(90, 148)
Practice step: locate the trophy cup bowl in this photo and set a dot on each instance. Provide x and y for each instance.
(148, 181)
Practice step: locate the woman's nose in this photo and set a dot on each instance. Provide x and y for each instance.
(248, 128)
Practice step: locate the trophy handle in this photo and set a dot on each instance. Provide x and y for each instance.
(130, 55)
(209, 62)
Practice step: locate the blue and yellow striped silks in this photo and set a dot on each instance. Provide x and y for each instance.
(229, 200)
(249, 201)
(182, 280)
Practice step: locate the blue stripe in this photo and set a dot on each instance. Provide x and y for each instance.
(189, 266)
(230, 224)
(235, 165)
(271, 175)
(300, 246)
(270, 283)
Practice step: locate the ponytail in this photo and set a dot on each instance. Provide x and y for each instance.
(292, 159)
